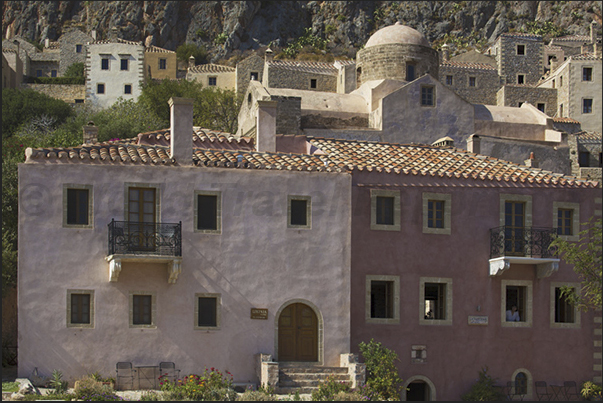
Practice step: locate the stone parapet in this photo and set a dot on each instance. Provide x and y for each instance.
(70, 93)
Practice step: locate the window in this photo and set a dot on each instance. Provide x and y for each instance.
(212, 81)
(385, 210)
(410, 72)
(53, 73)
(299, 212)
(100, 88)
(312, 83)
(104, 63)
(127, 88)
(520, 79)
(207, 311)
(553, 83)
(80, 308)
(38, 73)
(561, 110)
(583, 158)
(427, 96)
(78, 48)
(516, 303)
(254, 76)
(162, 64)
(382, 299)
(77, 206)
(522, 384)
(540, 107)
(208, 209)
(448, 80)
(560, 81)
(521, 50)
(436, 301)
(142, 310)
(564, 315)
(514, 227)
(123, 64)
(566, 218)
(587, 105)
(436, 213)
(587, 73)
(471, 81)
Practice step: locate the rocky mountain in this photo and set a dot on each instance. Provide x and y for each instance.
(234, 28)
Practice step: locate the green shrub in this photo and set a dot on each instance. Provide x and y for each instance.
(256, 396)
(327, 390)
(211, 385)
(382, 375)
(591, 391)
(221, 38)
(10, 386)
(75, 70)
(57, 382)
(330, 29)
(351, 396)
(92, 390)
(55, 80)
(186, 50)
(483, 390)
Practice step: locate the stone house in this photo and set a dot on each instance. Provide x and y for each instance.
(213, 75)
(23, 49)
(544, 99)
(518, 57)
(474, 82)
(160, 63)
(12, 69)
(72, 48)
(114, 69)
(585, 155)
(248, 69)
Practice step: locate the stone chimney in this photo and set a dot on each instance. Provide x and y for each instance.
(191, 62)
(268, 55)
(445, 52)
(532, 162)
(90, 133)
(554, 63)
(113, 33)
(265, 140)
(93, 34)
(473, 144)
(47, 43)
(181, 130)
(593, 32)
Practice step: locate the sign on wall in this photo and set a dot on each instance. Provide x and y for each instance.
(259, 313)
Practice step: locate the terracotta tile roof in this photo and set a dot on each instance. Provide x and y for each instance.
(565, 120)
(202, 138)
(157, 49)
(258, 160)
(522, 35)
(9, 51)
(302, 66)
(595, 136)
(586, 56)
(553, 48)
(468, 65)
(211, 68)
(435, 161)
(571, 38)
(118, 40)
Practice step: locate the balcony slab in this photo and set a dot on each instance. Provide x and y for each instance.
(173, 264)
(545, 267)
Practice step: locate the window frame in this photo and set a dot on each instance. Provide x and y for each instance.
(590, 107)
(529, 302)
(447, 321)
(395, 319)
(69, 324)
(449, 79)
(125, 89)
(153, 324)
(575, 236)
(447, 199)
(523, 48)
(521, 77)
(428, 97)
(106, 60)
(411, 72)
(218, 195)
(53, 73)
(587, 77)
(308, 200)
(79, 48)
(375, 193)
(89, 188)
(576, 324)
(213, 79)
(162, 64)
(218, 298)
(98, 87)
(254, 75)
(122, 61)
(313, 83)
(527, 199)
(543, 106)
(155, 186)
(472, 80)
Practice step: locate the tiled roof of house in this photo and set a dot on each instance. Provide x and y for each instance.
(565, 120)
(571, 38)
(524, 35)
(157, 49)
(594, 136)
(9, 51)
(303, 66)
(435, 161)
(202, 138)
(468, 65)
(586, 56)
(211, 68)
(117, 40)
(553, 48)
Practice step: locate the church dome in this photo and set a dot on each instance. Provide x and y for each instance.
(397, 33)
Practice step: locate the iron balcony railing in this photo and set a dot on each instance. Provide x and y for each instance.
(140, 238)
(522, 241)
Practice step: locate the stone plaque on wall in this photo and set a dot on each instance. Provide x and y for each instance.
(259, 313)
(478, 320)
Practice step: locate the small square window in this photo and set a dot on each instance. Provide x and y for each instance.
(207, 311)
(520, 79)
(78, 48)
(516, 303)
(38, 73)
(587, 74)
(77, 205)
(104, 63)
(385, 210)
(254, 76)
(299, 212)
(427, 96)
(435, 301)
(142, 313)
(565, 219)
(80, 308)
(382, 299)
(312, 83)
(521, 50)
(540, 107)
(472, 81)
(53, 73)
(212, 81)
(564, 309)
(208, 212)
(448, 80)
(124, 64)
(587, 105)
(127, 88)
(436, 213)
(564, 314)
(100, 88)
(162, 64)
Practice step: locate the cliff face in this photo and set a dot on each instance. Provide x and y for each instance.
(232, 27)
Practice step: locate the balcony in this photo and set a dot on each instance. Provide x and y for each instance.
(145, 242)
(525, 245)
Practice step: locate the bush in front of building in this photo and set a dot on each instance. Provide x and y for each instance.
(382, 377)
(483, 390)
(211, 385)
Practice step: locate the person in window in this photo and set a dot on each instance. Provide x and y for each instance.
(513, 314)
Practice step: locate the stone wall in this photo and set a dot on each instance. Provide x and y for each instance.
(252, 64)
(45, 66)
(316, 121)
(390, 60)
(487, 83)
(70, 93)
(300, 80)
(515, 95)
(288, 114)
(593, 147)
(530, 64)
(69, 49)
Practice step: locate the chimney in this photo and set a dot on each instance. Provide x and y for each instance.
(445, 52)
(593, 33)
(473, 144)
(191, 62)
(268, 55)
(181, 130)
(90, 133)
(532, 162)
(266, 126)
(113, 33)
(93, 35)
(47, 43)
(554, 63)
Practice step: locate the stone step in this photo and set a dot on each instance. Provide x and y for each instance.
(313, 370)
(299, 383)
(292, 390)
(314, 377)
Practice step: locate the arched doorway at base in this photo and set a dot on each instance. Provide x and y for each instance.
(418, 389)
(298, 332)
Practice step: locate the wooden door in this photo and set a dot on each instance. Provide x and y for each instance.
(141, 218)
(298, 334)
(514, 228)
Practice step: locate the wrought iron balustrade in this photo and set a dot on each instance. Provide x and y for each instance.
(140, 238)
(522, 241)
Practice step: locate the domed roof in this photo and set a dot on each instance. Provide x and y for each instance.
(397, 33)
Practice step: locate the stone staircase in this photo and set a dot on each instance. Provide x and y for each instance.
(305, 379)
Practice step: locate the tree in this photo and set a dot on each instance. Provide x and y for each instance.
(586, 257)
(75, 70)
(186, 50)
(483, 390)
(381, 373)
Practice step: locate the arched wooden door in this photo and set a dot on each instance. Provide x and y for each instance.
(298, 334)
